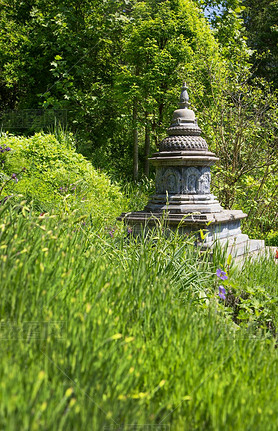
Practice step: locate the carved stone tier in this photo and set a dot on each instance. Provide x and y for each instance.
(183, 180)
(183, 158)
(223, 227)
(183, 143)
(218, 226)
(199, 220)
(185, 130)
(183, 204)
(182, 189)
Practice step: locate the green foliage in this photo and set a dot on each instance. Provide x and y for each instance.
(247, 25)
(131, 330)
(138, 193)
(271, 238)
(251, 295)
(56, 176)
(260, 19)
(161, 44)
(12, 38)
(94, 59)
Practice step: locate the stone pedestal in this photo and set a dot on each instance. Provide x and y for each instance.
(182, 197)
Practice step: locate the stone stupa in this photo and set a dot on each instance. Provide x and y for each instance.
(182, 197)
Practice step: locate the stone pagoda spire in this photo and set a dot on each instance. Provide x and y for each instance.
(182, 187)
(183, 166)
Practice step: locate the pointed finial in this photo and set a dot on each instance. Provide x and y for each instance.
(184, 98)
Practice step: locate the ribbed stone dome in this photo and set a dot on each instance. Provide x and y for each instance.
(172, 143)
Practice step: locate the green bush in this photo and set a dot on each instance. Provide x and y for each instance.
(58, 177)
(271, 238)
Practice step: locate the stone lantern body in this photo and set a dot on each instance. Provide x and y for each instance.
(182, 188)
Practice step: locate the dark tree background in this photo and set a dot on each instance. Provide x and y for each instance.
(261, 22)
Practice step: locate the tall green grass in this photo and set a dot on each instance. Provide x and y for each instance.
(129, 331)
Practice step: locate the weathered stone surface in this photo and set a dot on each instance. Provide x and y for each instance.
(182, 196)
(178, 142)
(217, 226)
(183, 158)
(183, 180)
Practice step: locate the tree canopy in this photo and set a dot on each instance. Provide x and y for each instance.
(116, 67)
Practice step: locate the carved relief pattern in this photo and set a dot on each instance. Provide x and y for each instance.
(184, 180)
(204, 183)
(192, 177)
(168, 179)
(159, 184)
(172, 180)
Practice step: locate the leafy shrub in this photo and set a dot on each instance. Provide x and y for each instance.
(58, 177)
(248, 295)
(271, 238)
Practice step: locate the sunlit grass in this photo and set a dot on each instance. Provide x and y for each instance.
(141, 336)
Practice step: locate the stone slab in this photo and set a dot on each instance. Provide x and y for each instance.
(238, 246)
(259, 253)
(183, 161)
(219, 228)
(194, 220)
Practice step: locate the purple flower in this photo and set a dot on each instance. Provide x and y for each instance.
(221, 274)
(129, 230)
(8, 149)
(83, 199)
(111, 232)
(222, 292)
(14, 177)
(5, 199)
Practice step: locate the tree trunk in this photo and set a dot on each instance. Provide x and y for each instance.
(135, 141)
(147, 149)
(160, 113)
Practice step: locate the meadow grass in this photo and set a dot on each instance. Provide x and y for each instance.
(102, 329)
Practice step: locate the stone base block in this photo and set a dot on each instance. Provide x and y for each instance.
(221, 227)
(216, 226)
(183, 204)
(239, 245)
